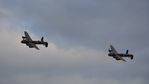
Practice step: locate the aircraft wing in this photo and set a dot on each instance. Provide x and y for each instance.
(34, 45)
(113, 49)
(122, 59)
(37, 48)
(27, 36)
(117, 57)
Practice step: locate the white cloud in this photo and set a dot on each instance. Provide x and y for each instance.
(16, 53)
(66, 65)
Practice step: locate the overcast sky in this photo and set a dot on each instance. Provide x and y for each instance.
(79, 33)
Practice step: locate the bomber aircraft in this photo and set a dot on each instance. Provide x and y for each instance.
(119, 56)
(31, 43)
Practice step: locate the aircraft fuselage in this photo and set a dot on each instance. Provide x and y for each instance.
(120, 54)
(35, 42)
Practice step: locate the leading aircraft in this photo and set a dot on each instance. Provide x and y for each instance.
(119, 56)
(31, 43)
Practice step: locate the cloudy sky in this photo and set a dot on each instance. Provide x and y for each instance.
(79, 33)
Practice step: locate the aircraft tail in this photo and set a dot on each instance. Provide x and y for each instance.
(44, 43)
(127, 51)
(131, 56)
(42, 39)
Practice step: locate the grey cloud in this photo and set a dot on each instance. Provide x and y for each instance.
(22, 65)
(88, 23)
(93, 25)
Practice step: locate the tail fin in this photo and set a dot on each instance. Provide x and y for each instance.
(42, 39)
(131, 57)
(127, 51)
(46, 44)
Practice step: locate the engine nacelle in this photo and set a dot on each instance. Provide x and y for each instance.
(24, 37)
(110, 50)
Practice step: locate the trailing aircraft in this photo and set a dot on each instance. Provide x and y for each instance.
(119, 56)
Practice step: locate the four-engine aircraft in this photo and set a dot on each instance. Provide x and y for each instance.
(119, 56)
(32, 44)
